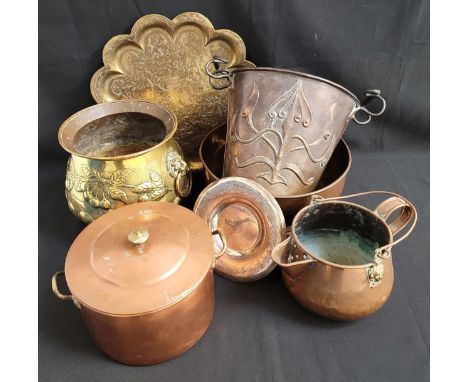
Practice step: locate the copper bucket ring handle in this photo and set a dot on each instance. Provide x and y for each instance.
(223, 240)
(218, 73)
(59, 294)
(370, 94)
(384, 210)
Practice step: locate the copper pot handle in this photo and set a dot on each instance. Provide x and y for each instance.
(223, 240)
(384, 210)
(370, 94)
(58, 293)
(392, 204)
(218, 73)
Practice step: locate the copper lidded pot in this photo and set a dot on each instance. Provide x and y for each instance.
(329, 278)
(142, 277)
(122, 152)
(283, 126)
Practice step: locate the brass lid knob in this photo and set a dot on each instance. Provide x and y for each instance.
(138, 236)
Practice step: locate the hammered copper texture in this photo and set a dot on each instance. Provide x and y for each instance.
(344, 292)
(162, 61)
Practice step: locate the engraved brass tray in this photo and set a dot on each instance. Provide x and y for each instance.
(163, 61)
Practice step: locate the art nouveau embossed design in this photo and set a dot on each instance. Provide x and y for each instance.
(98, 192)
(163, 61)
(281, 127)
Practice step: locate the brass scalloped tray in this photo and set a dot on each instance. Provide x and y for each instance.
(163, 61)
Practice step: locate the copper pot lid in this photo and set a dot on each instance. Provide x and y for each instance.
(251, 222)
(139, 258)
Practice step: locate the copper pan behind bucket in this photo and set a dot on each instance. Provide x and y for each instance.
(331, 184)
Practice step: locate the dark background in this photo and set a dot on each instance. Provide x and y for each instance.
(259, 333)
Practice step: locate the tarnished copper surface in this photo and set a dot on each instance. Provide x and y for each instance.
(249, 219)
(283, 126)
(154, 337)
(122, 152)
(331, 183)
(162, 61)
(338, 291)
(138, 274)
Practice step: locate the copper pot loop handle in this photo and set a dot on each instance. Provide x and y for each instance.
(218, 73)
(370, 95)
(58, 293)
(223, 240)
(384, 210)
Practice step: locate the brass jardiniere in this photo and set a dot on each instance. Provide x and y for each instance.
(122, 152)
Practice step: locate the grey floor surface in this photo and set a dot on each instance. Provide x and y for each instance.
(258, 332)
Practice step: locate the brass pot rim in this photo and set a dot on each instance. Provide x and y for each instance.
(303, 210)
(151, 108)
(328, 186)
(300, 74)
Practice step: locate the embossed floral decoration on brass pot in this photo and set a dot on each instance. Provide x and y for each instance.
(122, 152)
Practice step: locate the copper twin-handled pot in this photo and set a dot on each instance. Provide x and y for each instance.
(331, 183)
(283, 126)
(338, 261)
(142, 277)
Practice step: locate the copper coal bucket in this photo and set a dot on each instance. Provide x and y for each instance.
(283, 125)
(338, 260)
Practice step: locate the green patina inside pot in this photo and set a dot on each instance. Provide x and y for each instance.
(341, 233)
(339, 247)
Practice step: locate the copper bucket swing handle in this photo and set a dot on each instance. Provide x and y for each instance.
(218, 73)
(407, 214)
(370, 94)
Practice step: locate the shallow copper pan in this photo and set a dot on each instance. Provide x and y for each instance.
(331, 184)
